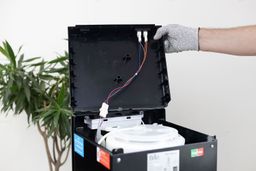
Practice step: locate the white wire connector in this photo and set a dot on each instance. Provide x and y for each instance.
(139, 35)
(145, 35)
(104, 110)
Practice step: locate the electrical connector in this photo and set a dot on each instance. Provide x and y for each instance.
(145, 35)
(139, 35)
(104, 110)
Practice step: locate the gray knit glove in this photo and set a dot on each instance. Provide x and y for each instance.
(178, 38)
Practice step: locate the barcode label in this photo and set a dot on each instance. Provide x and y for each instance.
(164, 161)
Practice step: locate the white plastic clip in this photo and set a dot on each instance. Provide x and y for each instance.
(104, 110)
(139, 34)
(145, 35)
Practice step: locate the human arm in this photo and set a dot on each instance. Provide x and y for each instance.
(236, 41)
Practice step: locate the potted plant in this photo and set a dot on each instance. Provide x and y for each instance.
(39, 89)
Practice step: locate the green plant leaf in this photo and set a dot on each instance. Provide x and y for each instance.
(19, 50)
(39, 63)
(2, 67)
(27, 92)
(58, 60)
(47, 77)
(61, 95)
(57, 70)
(10, 53)
(20, 60)
(31, 59)
(2, 50)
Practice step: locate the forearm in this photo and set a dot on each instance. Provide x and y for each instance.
(236, 41)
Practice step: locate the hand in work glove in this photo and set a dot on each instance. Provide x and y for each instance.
(178, 38)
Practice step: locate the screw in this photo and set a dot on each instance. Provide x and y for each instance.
(118, 160)
(212, 146)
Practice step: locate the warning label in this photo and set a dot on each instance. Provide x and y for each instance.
(164, 161)
(197, 152)
(103, 157)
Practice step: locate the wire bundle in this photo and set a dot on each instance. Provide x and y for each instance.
(105, 105)
(128, 82)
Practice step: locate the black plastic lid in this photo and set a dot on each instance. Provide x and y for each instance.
(104, 57)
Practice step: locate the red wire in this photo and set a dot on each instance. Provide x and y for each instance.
(116, 90)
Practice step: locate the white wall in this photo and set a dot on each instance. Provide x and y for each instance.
(212, 93)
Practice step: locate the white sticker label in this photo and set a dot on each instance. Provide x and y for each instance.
(164, 161)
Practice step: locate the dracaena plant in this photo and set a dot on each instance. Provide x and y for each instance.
(39, 89)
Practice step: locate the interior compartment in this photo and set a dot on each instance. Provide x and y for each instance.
(150, 117)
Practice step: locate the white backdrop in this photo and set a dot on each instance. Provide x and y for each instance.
(212, 93)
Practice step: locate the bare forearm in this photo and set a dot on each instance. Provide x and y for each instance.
(236, 41)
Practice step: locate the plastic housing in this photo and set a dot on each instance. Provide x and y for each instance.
(104, 57)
